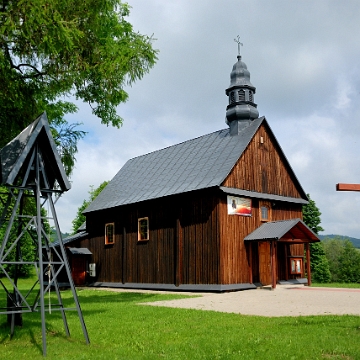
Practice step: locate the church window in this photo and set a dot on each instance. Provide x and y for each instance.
(232, 97)
(264, 213)
(109, 234)
(241, 95)
(143, 229)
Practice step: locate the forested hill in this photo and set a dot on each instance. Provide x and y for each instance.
(355, 241)
(53, 235)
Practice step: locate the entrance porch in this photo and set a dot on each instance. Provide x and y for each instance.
(280, 251)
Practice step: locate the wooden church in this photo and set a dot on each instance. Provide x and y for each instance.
(219, 212)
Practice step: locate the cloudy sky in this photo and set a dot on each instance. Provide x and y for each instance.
(303, 57)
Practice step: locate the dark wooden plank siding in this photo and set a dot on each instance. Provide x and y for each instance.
(262, 168)
(188, 221)
(233, 230)
(200, 238)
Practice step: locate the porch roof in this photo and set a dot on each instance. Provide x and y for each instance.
(71, 238)
(293, 230)
(80, 251)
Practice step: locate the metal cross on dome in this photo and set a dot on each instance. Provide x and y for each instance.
(237, 40)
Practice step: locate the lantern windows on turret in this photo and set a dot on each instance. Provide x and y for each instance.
(250, 96)
(241, 95)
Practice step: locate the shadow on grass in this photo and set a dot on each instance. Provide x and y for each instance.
(31, 326)
(92, 302)
(33, 341)
(125, 297)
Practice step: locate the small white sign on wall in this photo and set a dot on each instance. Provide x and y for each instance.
(239, 206)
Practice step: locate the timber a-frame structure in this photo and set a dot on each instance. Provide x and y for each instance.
(219, 212)
(32, 174)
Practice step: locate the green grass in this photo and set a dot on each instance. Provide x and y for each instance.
(338, 285)
(119, 328)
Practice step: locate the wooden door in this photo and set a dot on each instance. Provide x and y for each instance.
(264, 263)
(78, 269)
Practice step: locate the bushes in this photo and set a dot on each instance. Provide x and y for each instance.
(349, 264)
(344, 260)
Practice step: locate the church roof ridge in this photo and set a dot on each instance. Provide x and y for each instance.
(195, 164)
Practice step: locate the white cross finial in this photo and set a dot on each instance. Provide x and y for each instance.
(237, 40)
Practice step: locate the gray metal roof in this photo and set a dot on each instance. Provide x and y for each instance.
(82, 227)
(15, 155)
(80, 251)
(264, 196)
(275, 230)
(195, 164)
(71, 238)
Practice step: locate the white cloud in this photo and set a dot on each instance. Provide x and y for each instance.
(303, 59)
(344, 92)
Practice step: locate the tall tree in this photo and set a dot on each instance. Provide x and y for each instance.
(80, 218)
(318, 262)
(311, 216)
(50, 50)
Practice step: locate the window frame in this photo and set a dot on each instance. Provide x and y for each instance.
(296, 269)
(140, 237)
(268, 212)
(107, 242)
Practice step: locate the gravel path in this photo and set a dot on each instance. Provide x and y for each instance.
(285, 300)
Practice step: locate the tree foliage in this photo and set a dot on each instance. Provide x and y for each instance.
(349, 264)
(344, 260)
(318, 262)
(28, 241)
(333, 249)
(80, 218)
(334, 260)
(50, 50)
(311, 216)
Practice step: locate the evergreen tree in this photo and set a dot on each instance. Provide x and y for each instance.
(318, 262)
(311, 216)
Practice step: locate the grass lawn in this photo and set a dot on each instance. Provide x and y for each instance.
(338, 285)
(121, 329)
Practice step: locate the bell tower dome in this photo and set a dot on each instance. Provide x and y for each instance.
(242, 108)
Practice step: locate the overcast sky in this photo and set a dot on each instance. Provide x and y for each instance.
(303, 57)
